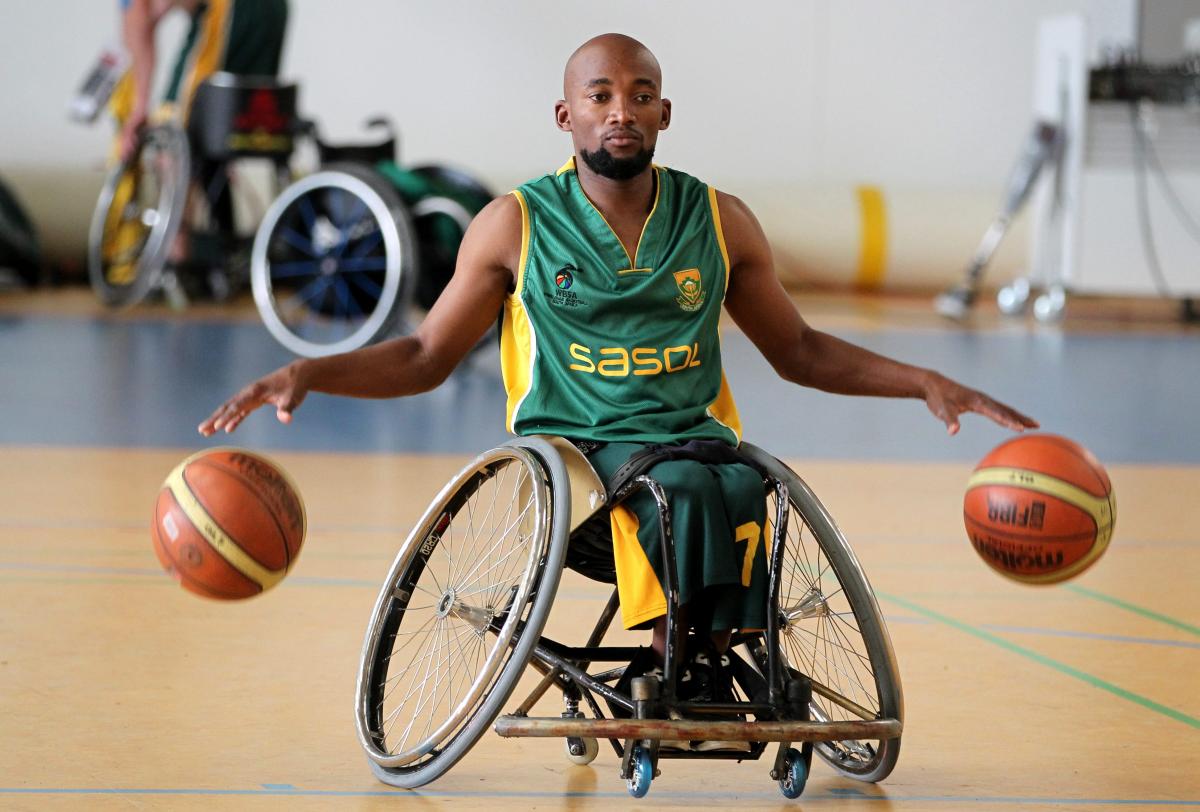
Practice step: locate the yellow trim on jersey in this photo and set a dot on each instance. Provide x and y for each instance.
(640, 593)
(518, 342)
(716, 214)
(632, 266)
(209, 50)
(519, 282)
(724, 410)
(872, 255)
(220, 542)
(657, 191)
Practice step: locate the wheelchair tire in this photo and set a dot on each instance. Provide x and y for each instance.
(313, 298)
(136, 219)
(832, 629)
(461, 611)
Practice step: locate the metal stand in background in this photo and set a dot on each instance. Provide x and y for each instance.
(1042, 149)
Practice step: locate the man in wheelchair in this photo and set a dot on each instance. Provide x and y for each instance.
(225, 39)
(610, 275)
(243, 38)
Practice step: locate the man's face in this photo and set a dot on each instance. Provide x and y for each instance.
(613, 109)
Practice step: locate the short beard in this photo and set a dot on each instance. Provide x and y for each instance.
(605, 165)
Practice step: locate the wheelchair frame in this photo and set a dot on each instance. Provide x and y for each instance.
(562, 491)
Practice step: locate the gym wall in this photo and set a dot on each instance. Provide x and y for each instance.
(825, 115)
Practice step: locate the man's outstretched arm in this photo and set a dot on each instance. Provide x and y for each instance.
(410, 364)
(762, 308)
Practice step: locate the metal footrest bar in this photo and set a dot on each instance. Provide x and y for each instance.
(699, 730)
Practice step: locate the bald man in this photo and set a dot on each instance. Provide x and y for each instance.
(610, 275)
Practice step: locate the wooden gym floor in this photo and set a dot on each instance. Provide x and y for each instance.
(119, 690)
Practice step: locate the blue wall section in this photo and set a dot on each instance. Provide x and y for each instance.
(148, 382)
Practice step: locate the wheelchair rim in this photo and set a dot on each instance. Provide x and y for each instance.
(305, 330)
(486, 675)
(833, 615)
(157, 221)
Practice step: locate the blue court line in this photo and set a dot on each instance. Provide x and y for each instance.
(149, 572)
(311, 580)
(842, 795)
(1042, 659)
(86, 524)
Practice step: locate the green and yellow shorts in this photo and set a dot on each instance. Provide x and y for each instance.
(718, 516)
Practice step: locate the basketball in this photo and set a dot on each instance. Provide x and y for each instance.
(1039, 509)
(228, 524)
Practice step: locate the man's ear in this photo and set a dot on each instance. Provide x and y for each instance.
(562, 115)
(666, 115)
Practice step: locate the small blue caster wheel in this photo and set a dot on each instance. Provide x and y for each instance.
(642, 774)
(795, 774)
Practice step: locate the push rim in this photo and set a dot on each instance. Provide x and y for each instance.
(450, 608)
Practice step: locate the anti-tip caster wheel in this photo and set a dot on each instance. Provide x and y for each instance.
(642, 773)
(795, 774)
(582, 751)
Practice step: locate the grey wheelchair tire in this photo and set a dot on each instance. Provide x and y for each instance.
(400, 272)
(861, 598)
(548, 473)
(167, 217)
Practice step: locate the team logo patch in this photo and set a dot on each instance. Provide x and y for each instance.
(561, 294)
(691, 292)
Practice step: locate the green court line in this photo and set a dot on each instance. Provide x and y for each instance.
(1137, 610)
(1070, 671)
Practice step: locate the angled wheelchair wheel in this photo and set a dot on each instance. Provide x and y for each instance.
(461, 610)
(832, 630)
(334, 262)
(136, 219)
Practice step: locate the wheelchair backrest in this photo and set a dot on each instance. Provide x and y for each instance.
(243, 116)
(364, 152)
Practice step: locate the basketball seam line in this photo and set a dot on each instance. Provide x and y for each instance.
(1095, 506)
(249, 483)
(181, 573)
(194, 510)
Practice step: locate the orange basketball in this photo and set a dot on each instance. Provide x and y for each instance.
(1039, 509)
(228, 524)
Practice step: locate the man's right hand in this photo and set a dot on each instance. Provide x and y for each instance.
(131, 134)
(284, 389)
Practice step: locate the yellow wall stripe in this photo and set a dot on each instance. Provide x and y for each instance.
(224, 546)
(872, 257)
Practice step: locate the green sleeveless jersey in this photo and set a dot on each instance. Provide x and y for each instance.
(598, 345)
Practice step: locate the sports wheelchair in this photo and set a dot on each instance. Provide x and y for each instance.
(144, 203)
(341, 258)
(360, 249)
(461, 614)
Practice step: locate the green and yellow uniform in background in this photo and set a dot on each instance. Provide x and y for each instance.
(600, 346)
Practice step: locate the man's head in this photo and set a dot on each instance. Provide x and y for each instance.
(613, 106)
